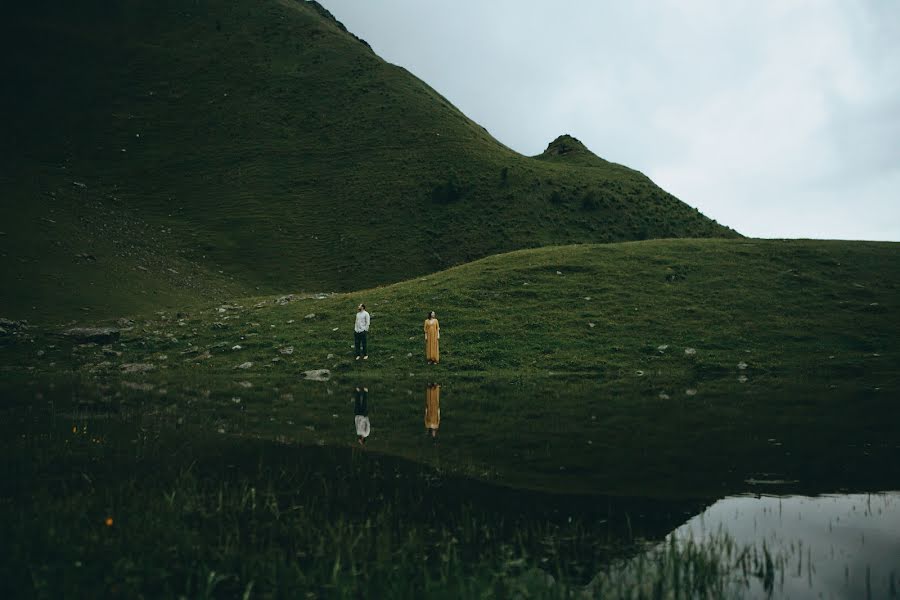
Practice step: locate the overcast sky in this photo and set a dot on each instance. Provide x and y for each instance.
(779, 118)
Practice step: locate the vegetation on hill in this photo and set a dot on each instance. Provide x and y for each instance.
(159, 151)
(706, 349)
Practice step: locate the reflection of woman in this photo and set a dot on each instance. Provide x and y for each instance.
(432, 408)
(432, 335)
(361, 415)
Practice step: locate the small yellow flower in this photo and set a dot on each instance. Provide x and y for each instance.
(109, 521)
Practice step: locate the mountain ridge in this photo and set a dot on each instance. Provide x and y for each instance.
(267, 149)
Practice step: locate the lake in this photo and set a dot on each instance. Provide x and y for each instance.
(405, 488)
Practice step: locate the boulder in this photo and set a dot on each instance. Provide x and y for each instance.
(317, 375)
(94, 335)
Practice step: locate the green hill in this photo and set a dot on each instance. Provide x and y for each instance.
(708, 348)
(649, 313)
(155, 152)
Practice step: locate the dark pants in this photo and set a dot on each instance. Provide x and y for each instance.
(359, 340)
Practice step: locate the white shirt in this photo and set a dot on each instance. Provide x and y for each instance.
(362, 426)
(362, 321)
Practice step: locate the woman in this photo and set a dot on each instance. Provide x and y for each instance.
(432, 335)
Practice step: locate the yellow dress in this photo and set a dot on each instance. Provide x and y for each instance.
(432, 335)
(432, 407)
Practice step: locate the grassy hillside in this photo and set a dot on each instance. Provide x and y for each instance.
(603, 311)
(156, 151)
(702, 353)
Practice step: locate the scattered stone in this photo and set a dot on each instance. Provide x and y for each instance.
(136, 367)
(41, 353)
(587, 298)
(663, 396)
(290, 321)
(237, 347)
(690, 392)
(245, 384)
(219, 325)
(140, 387)
(259, 305)
(276, 360)
(79, 184)
(142, 268)
(244, 365)
(592, 325)
(639, 373)
(662, 347)
(111, 352)
(95, 335)
(329, 357)
(559, 272)
(742, 365)
(287, 397)
(689, 352)
(310, 316)
(86, 257)
(317, 375)
(235, 399)
(286, 350)
(285, 299)
(409, 355)
(742, 379)
(334, 328)
(124, 323)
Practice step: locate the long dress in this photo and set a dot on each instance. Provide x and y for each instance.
(432, 335)
(432, 407)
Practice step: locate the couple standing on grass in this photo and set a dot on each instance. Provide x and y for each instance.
(361, 329)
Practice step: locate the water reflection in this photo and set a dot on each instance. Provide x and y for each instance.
(432, 409)
(834, 546)
(361, 415)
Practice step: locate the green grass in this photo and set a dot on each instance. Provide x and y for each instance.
(803, 351)
(233, 148)
(671, 308)
(201, 516)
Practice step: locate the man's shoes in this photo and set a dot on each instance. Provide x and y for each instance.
(366, 357)
(357, 358)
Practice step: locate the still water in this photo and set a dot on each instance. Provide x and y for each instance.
(828, 546)
(571, 479)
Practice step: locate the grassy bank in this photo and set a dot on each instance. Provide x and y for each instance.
(688, 382)
(680, 310)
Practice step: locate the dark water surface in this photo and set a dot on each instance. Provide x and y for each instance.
(560, 480)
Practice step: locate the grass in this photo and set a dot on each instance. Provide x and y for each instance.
(236, 148)
(635, 312)
(682, 367)
(130, 505)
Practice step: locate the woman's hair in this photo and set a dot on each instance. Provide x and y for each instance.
(430, 312)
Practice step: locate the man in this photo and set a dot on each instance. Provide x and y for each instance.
(360, 330)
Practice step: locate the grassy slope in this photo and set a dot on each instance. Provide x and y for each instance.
(252, 145)
(815, 322)
(780, 306)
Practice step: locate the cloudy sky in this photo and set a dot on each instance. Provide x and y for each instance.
(778, 118)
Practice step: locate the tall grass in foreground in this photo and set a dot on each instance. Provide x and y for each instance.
(168, 519)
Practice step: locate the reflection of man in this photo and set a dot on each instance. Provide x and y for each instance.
(432, 408)
(361, 415)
